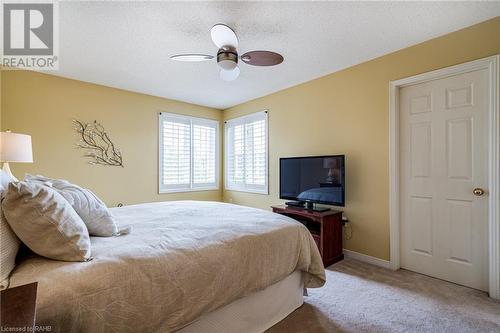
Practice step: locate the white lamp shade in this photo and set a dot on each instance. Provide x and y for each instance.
(15, 147)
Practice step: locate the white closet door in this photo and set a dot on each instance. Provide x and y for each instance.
(444, 126)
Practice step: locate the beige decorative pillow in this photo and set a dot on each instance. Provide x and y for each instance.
(9, 243)
(94, 213)
(46, 222)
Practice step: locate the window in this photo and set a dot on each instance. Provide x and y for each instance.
(246, 166)
(188, 153)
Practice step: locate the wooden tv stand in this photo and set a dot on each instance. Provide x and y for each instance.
(325, 227)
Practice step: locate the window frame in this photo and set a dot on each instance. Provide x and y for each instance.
(246, 188)
(191, 187)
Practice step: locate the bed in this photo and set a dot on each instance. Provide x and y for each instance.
(187, 265)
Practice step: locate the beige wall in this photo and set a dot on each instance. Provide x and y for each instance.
(44, 106)
(347, 113)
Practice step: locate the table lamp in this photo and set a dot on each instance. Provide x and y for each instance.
(16, 148)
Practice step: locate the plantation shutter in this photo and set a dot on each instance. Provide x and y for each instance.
(204, 154)
(188, 153)
(246, 153)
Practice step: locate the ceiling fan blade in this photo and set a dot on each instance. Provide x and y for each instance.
(191, 57)
(262, 58)
(222, 35)
(230, 75)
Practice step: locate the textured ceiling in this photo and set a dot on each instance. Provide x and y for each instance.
(127, 44)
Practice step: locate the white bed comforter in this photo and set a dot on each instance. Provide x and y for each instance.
(182, 259)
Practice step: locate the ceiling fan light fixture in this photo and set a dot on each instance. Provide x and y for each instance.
(227, 65)
(227, 60)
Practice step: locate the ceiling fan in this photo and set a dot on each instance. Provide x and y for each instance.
(227, 56)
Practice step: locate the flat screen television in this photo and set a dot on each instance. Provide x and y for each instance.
(315, 179)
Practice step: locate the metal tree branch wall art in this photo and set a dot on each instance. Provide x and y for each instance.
(99, 147)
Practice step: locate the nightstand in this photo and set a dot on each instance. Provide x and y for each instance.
(18, 308)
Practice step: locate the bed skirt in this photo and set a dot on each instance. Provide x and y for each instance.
(256, 312)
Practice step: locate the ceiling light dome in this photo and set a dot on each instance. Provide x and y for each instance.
(227, 65)
(227, 59)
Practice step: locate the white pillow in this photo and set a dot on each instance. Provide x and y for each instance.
(46, 222)
(9, 243)
(95, 214)
(5, 179)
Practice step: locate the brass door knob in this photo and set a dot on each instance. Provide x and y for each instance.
(478, 191)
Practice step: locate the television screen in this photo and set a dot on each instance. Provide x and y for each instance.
(318, 179)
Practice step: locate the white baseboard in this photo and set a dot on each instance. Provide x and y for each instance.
(368, 259)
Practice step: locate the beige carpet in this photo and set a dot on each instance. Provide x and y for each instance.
(363, 298)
